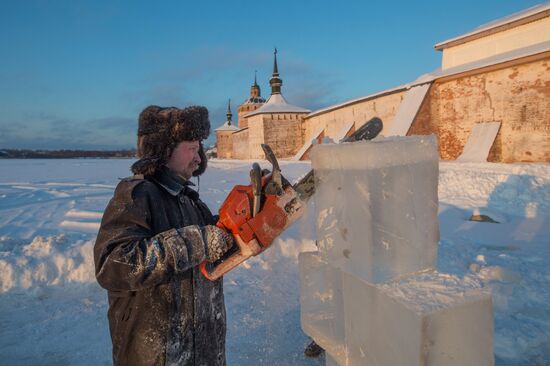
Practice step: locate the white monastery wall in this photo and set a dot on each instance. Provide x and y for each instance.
(240, 144)
(385, 107)
(494, 44)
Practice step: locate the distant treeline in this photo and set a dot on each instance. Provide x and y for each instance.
(65, 154)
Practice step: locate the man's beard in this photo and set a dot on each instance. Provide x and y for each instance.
(188, 172)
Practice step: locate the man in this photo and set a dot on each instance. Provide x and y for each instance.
(154, 233)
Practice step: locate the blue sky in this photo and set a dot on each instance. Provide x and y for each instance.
(76, 74)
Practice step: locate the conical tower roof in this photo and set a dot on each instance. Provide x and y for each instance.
(276, 82)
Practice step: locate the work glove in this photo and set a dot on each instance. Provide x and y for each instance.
(217, 242)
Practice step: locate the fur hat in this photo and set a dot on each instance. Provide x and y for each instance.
(161, 129)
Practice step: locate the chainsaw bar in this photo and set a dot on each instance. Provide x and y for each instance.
(306, 186)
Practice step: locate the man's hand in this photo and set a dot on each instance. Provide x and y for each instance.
(218, 241)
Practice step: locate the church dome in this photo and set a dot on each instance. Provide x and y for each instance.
(254, 100)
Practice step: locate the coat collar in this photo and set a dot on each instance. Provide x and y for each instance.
(172, 183)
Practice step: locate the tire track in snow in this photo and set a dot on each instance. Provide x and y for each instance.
(44, 209)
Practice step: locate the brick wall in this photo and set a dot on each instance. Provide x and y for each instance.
(517, 96)
(283, 133)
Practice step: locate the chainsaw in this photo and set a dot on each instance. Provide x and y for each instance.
(256, 214)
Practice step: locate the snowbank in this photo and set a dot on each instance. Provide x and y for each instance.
(515, 189)
(50, 260)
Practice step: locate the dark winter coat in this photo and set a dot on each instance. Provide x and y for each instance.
(162, 311)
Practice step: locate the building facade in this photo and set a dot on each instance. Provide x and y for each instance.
(499, 72)
(275, 122)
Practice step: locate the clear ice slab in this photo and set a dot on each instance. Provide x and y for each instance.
(321, 304)
(376, 205)
(426, 319)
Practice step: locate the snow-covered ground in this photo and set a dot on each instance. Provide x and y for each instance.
(53, 313)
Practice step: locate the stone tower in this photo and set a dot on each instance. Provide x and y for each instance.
(224, 141)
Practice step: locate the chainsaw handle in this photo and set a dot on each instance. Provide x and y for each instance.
(246, 250)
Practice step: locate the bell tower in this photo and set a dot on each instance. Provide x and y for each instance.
(253, 102)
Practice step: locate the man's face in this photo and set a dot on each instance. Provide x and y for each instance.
(185, 158)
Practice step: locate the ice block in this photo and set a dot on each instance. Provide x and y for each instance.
(376, 205)
(322, 313)
(427, 319)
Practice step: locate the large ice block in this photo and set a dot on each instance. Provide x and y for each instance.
(427, 319)
(322, 309)
(376, 205)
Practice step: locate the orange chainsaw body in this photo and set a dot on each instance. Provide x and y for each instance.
(253, 234)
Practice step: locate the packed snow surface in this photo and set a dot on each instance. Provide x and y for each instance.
(53, 312)
(429, 291)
